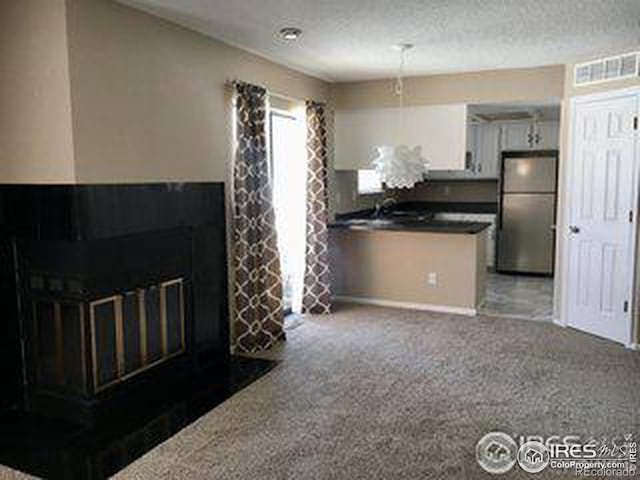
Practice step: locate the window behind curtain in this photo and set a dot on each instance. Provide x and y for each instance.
(289, 176)
(369, 182)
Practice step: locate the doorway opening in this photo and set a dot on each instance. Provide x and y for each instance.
(289, 178)
(519, 296)
(517, 145)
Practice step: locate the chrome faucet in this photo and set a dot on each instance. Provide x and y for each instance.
(380, 206)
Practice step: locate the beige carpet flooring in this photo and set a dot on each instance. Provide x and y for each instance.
(377, 393)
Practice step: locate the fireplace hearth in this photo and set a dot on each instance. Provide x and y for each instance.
(113, 291)
(56, 449)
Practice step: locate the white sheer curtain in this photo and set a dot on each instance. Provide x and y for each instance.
(289, 171)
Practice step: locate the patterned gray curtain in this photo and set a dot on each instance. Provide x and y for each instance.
(316, 296)
(257, 284)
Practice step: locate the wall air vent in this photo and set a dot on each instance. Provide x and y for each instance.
(607, 69)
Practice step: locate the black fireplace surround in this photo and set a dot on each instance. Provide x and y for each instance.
(108, 291)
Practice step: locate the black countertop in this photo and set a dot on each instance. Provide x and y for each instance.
(415, 217)
(427, 226)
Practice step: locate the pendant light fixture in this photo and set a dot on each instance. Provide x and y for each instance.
(400, 166)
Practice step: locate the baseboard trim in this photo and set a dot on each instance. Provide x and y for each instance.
(408, 305)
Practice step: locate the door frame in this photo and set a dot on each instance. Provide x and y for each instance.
(567, 194)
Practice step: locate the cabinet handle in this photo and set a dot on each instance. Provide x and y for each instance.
(530, 139)
(537, 138)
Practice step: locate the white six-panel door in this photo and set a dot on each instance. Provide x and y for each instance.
(601, 217)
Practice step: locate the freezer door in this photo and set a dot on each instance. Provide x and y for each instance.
(526, 237)
(529, 175)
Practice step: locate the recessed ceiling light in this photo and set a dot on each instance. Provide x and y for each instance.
(402, 47)
(290, 33)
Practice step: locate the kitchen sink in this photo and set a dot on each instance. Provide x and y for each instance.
(390, 220)
(409, 216)
(371, 221)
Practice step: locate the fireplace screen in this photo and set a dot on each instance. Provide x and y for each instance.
(111, 339)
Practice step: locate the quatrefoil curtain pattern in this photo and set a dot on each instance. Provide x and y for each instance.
(258, 321)
(316, 294)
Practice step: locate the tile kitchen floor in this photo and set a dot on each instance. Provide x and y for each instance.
(516, 296)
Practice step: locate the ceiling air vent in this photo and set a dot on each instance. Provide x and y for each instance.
(607, 69)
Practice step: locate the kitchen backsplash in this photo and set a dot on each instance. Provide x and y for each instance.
(453, 191)
(344, 193)
(345, 198)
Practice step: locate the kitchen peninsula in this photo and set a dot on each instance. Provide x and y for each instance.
(409, 259)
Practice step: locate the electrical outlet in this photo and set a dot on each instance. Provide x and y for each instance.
(432, 279)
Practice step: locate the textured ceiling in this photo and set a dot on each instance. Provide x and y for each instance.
(351, 39)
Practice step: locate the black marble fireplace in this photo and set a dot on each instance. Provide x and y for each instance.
(108, 293)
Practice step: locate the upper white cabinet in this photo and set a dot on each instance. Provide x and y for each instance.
(482, 157)
(547, 136)
(487, 153)
(531, 136)
(439, 129)
(517, 136)
(486, 141)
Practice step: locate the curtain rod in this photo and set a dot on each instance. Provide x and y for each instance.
(232, 84)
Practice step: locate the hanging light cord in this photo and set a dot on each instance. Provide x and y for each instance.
(400, 79)
(399, 164)
(399, 87)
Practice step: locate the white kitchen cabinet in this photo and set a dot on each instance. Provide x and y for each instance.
(487, 152)
(460, 173)
(471, 154)
(468, 170)
(483, 155)
(531, 135)
(472, 137)
(439, 129)
(547, 136)
(517, 136)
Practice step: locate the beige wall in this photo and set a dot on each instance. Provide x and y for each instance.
(393, 266)
(35, 106)
(149, 100)
(93, 92)
(528, 84)
(149, 97)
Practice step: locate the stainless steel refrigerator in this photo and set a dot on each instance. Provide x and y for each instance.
(526, 234)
